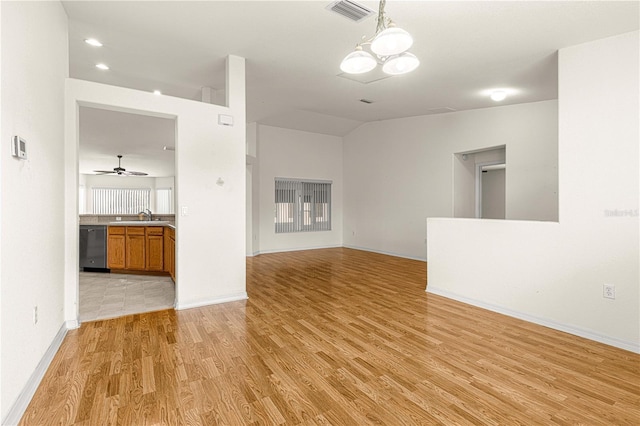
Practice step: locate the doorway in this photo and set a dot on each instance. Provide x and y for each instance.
(479, 183)
(490, 192)
(147, 146)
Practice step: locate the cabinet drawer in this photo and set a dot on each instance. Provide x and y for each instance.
(115, 230)
(154, 230)
(135, 230)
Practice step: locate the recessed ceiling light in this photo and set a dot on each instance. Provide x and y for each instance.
(102, 67)
(93, 42)
(498, 95)
(157, 92)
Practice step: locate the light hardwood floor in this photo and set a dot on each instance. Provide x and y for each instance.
(339, 337)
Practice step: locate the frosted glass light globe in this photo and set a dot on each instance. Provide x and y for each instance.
(358, 62)
(401, 64)
(391, 41)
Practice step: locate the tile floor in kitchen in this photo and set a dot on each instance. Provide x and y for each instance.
(104, 295)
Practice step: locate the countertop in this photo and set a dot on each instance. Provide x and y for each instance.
(142, 223)
(127, 220)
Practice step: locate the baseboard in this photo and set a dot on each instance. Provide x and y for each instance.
(224, 299)
(295, 249)
(388, 253)
(587, 334)
(72, 324)
(20, 405)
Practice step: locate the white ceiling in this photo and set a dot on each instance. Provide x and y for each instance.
(138, 138)
(293, 50)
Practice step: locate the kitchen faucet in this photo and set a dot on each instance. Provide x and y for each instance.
(147, 214)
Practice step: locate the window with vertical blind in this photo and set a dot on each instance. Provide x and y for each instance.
(121, 200)
(302, 205)
(163, 201)
(82, 199)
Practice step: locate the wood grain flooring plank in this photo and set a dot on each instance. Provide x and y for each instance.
(333, 337)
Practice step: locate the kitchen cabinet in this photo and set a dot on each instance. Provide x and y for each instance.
(172, 253)
(169, 251)
(116, 247)
(137, 248)
(136, 253)
(154, 246)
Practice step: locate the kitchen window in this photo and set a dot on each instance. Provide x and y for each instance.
(163, 201)
(121, 200)
(302, 205)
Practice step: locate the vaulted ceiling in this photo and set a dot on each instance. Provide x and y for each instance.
(293, 50)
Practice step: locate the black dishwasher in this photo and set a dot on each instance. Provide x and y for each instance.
(93, 247)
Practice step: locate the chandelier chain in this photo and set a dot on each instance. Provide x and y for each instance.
(383, 22)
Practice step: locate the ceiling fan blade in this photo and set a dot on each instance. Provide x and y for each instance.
(120, 171)
(133, 173)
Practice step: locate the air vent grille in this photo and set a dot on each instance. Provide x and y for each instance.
(350, 10)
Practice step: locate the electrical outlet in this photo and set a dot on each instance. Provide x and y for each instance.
(35, 314)
(609, 291)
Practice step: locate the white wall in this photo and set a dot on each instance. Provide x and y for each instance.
(253, 191)
(34, 35)
(296, 154)
(400, 171)
(553, 273)
(210, 235)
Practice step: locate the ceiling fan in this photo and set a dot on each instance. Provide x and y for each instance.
(120, 171)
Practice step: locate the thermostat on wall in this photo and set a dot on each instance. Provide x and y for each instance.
(19, 147)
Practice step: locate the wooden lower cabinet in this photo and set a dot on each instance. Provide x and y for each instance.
(172, 253)
(140, 248)
(136, 248)
(155, 245)
(116, 243)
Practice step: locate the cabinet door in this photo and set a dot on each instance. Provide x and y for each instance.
(155, 253)
(165, 248)
(172, 256)
(115, 252)
(136, 248)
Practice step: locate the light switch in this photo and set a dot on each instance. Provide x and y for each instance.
(184, 211)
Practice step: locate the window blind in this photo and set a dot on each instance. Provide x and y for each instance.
(163, 201)
(120, 200)
(302, 205)
(82, 200)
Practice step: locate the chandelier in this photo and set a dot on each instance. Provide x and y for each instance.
(389, 45)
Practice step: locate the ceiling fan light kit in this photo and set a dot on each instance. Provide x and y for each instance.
(389, 44)
(120, 171)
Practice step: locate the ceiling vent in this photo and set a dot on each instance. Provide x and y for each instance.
(350, 10)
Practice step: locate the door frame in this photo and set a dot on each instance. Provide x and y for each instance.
(479, 167)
